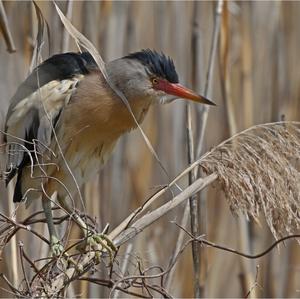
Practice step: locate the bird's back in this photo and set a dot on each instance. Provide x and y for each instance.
(36, 107)
(58, 67)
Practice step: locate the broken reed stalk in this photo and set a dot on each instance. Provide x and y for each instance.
(193, 202)
(194, 206)
(196, 46)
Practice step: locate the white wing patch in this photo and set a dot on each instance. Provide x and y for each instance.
(50, 98)
(46, 104)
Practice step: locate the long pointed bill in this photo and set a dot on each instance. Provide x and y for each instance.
(182, 92)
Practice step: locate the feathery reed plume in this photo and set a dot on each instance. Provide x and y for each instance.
(259, 171)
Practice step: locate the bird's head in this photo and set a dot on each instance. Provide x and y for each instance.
(152, 75)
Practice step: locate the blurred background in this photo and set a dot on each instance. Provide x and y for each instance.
(256, 79)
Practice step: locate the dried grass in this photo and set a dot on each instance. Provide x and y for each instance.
(259, 171)
(274, 77)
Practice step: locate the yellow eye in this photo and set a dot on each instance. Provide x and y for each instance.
(154, 81)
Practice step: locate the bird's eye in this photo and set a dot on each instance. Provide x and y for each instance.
(154, 81)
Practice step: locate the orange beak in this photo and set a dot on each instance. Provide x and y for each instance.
(182, 92)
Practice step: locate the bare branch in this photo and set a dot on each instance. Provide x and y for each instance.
(151, 217)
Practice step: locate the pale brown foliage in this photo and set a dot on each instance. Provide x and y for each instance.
(259, 171)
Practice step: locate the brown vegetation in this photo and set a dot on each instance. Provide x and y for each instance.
(250, 50)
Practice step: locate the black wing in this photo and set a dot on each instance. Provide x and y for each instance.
(42, 96)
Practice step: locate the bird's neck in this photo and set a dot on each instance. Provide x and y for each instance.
(104, 112)
(130, 115)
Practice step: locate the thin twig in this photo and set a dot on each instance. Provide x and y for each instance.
(90, 258)
(193, 202)
(246, 255)
(151, 217)
(255, 284)
(13, 289)
(125, 264)
(109, 284)
(194, 206)
(179, 243)
(71, 271)
(21, 245)
(206, 242)
(31, 263)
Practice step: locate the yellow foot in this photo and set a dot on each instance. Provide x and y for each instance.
(56, 247)
(57, 250)
(101, 244)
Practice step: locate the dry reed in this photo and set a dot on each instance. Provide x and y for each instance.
(124, 27)
(259, 171)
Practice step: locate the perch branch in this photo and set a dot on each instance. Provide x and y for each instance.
(151, 217)
(55, 285)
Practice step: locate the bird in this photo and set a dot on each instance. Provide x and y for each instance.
(64, 121)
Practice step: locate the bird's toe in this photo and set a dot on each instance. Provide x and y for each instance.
(56, 248)
(101, 244)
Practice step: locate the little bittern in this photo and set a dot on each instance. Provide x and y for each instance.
(64, 121)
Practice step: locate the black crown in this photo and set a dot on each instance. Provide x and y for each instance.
(158, 63)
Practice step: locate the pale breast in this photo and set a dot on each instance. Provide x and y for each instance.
(91, 124)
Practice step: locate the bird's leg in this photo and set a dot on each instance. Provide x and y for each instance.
(92, 239)
(57, 248)
(79, 221)
(55, 245)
